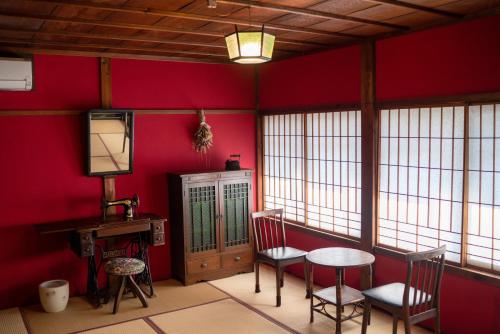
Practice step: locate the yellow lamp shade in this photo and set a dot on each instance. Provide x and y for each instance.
(250, 47)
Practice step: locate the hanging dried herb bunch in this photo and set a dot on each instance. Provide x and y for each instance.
(203, 136)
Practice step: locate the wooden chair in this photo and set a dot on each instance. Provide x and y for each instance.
(418, 298)
(270, 245)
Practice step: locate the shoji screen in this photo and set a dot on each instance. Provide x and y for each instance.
(284, 164)
(334, 171)
(483, 229)
(420, 179)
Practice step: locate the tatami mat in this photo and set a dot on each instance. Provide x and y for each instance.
(11, 322)
(228, 305)
(294, 310)
(129, 327)
(225, 316)
(80, 315)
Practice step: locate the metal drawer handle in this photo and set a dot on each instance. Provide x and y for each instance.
(157, 228)
(204, 265)
(237, 258)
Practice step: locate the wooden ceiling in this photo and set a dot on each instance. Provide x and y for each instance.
(188, 30)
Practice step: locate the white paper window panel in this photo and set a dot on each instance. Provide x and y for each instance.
(393, 123)
(424, 123)
(438, 214)
(483, 186)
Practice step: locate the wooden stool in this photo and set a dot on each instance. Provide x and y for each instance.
(125, 267)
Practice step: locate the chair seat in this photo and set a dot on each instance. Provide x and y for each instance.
(123, 266)
(283, 253)
(392, 294)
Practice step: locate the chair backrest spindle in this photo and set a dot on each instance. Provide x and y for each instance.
(269, 229)
(424, 273)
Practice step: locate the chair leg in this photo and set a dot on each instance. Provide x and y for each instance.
(407, 325)
(437, 323)
(118, 297)
(137, 291)
(282, 271)
(395, 324)
(306, 278)
(366, 317)
(257, 285)
(278, 286)
(311, 303)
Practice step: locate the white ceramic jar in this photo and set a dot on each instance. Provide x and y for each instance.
(54, 295)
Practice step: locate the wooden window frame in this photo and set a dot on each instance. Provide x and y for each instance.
(469, 272)
(303, 226)
(461, 269)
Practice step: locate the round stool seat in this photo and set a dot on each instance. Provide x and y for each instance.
(124, 266)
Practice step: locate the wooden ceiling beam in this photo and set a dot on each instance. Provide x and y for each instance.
(38, 50)
(419, 8)
(196, 17)
(107, 36)
(312, 13)
(144, 27)
(122, 38)
(70, 46)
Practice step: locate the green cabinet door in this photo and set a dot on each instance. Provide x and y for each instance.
(202, 204)
(236, 214)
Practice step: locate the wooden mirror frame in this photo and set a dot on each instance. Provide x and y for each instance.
(128, 113)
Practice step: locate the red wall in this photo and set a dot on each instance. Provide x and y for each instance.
(146, 84)
(42, 168)
(458, 59)
(320, 79)
(452, 60)
(60, 83)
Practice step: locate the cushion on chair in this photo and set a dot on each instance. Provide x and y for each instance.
(392, 294)
(124, 266)
(283, 253)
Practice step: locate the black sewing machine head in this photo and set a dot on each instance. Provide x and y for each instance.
(128, 206)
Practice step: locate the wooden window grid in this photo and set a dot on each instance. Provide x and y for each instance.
(333, 180)
(420, 179)
(283, 175)
(483, 200)
(312, 169)
(440, 182)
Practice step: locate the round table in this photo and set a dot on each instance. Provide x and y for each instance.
(341, 295)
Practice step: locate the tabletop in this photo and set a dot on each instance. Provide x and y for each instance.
(94, 223)
(340, 257)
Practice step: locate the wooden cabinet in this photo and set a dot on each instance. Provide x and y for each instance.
(210, 224)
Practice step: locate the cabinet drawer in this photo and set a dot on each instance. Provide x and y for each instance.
(203, 264)
(87, 249)
(158, 239)
(236, 259)
(157, 227)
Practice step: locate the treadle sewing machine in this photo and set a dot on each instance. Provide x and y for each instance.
(139, 230)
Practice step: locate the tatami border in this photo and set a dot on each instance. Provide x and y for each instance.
(259, 312)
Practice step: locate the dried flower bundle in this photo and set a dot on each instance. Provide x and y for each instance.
(203, 137)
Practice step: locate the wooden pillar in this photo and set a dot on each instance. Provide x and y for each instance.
(259, 143)
(369, 149)
(108, 181)
(106, 83)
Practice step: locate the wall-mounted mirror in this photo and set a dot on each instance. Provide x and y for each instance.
(110, 135)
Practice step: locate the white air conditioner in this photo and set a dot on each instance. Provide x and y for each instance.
(16, 74)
